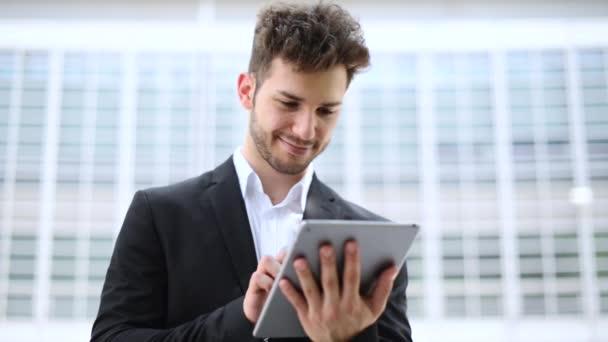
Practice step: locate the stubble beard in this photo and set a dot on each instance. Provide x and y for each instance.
(258, 136)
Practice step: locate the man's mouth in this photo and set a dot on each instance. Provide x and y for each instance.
(293, 148)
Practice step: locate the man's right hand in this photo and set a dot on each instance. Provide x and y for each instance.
(260, 284)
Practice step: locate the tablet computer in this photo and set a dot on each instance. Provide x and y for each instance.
(381, 243)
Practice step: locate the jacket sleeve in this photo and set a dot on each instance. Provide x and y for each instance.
(133, 301)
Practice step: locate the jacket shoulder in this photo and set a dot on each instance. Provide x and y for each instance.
(354, 211)
(350, 210)
(186, 190)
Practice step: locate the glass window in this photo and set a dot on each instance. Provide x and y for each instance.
(92, 306)
(22, 267)
(534, 304)
(490, 306)
(7, 66)
(601, 254)
(455, 306)
(19, 306)
(98, 267)
(530, 260)
(63, 268)
(568, 303)
(62, 306)
(604, 302)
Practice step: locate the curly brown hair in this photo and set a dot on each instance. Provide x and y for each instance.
(311, 37)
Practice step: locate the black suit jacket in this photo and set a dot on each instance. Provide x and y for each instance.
(183, 259)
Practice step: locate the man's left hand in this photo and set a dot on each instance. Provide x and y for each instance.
(334, 313)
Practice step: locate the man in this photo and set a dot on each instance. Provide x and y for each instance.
(193, 261)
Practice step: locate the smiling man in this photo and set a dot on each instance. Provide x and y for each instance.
(195, 261)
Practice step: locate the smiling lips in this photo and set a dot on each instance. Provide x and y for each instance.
(294, 149)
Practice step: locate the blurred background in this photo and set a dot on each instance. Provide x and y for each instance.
(486, 122)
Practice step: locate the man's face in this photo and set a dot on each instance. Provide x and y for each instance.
(294, 114)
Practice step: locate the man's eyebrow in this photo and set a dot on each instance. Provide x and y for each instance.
(297, 98)
(290, 96)
(331, 104)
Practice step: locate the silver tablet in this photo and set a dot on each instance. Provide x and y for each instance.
(380, 243)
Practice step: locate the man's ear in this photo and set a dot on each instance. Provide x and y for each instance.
(246, 89)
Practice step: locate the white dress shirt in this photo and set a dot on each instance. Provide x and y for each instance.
(272, 226)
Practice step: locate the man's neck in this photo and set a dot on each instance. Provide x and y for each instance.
(275, 184)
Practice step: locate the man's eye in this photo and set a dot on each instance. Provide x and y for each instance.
(325, 111)
(289, 105)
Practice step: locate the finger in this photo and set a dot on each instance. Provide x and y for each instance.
(281, 255)
(329, 275)
(269, 265)
(294, 297)
(261, 282)
(377, 301)
(308, 284)
(352, 271)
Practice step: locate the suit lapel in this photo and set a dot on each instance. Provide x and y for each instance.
(225, 198)
(231, 216)
(321, 202)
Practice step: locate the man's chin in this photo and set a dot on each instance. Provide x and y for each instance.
(289, 167)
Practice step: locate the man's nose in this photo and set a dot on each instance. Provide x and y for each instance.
(304, 125)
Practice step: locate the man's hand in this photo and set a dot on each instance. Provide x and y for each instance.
(260, 284)
(335, 314)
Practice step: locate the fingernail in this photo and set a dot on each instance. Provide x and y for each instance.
(351, 248)
(299, 265)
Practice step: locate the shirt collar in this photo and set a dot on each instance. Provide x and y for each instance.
(249, 181)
